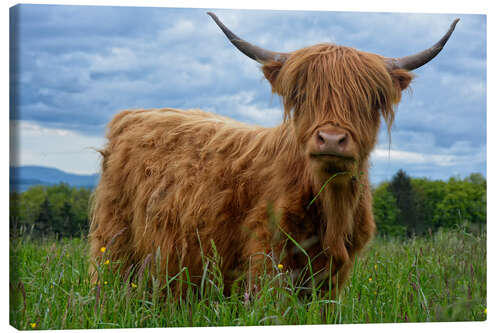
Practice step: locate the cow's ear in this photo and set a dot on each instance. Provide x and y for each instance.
(401, 78)
(271, 70)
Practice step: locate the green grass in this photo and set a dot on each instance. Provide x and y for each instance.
(437, 278)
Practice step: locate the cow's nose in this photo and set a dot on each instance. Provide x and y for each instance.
(334, 142)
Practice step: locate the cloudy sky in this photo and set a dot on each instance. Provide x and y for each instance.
(76, 66)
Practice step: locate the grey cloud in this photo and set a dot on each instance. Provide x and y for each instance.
(78, 65)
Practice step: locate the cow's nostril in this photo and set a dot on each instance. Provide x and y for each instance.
(321, 139)
(343, 139)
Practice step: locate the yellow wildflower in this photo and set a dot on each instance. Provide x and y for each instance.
(103, 249)
(484, 310)
(133, 285)
(280, 266)
(105, 282)
(106, 262)
(33, 325)
(369, 279)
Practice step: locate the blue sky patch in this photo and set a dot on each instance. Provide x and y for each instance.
(74, 67)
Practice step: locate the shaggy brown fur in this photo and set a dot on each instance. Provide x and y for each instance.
(176, 180)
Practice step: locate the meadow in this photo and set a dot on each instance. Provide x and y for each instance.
(432, 278)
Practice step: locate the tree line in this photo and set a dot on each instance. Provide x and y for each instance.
(403, 207)
(407, 206)
(59, 210)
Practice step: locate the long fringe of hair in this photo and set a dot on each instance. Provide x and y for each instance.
(327, 81)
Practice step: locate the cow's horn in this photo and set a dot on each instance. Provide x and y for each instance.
(256, 53)
(419, 59)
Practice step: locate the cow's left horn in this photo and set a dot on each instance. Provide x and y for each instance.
(256, 53)
(419, 59)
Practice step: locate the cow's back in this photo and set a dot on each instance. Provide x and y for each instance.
(168, 181)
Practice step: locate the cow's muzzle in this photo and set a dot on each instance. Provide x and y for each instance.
(332, 142)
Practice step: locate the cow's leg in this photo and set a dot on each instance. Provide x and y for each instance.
(257, 250)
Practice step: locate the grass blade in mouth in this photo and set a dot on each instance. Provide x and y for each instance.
(324, 185)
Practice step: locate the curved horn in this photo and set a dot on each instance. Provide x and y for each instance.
(419, 59)
(256, 53)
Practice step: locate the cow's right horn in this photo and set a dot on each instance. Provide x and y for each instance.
(421, 58)
(256, 53)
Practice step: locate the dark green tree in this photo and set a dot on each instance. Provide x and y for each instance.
(43, 222)
(401, 188)
(68, 223)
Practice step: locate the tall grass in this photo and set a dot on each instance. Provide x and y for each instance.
(438, 278)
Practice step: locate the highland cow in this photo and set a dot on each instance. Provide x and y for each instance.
(180, 183)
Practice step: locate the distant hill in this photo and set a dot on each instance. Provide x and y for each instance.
(21, 178)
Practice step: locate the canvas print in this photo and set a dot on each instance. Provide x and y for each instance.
(186, 167)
